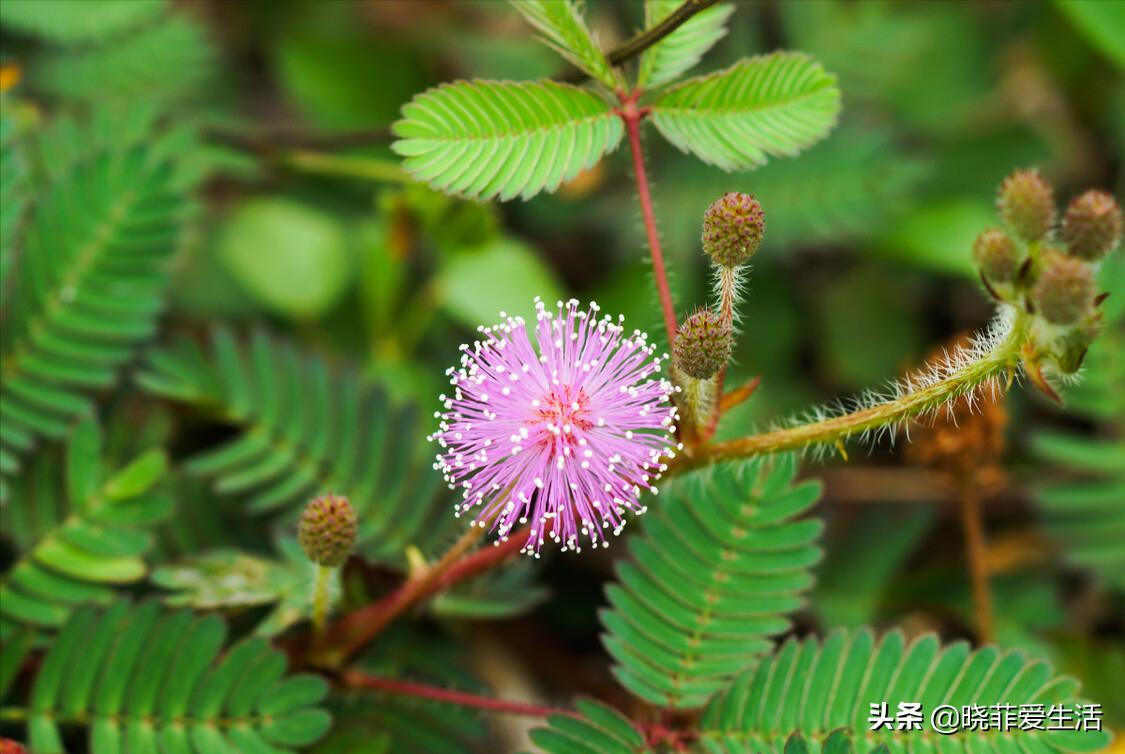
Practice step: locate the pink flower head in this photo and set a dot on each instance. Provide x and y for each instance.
(565, 436)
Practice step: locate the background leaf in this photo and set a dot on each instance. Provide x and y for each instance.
(74, 21)
(305, 429)
(288, 256)
(474, 287)
(76, 540)
(93, 273)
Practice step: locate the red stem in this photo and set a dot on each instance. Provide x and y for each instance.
(359, 627)
(631, 116)
(364, 681)
(654, 733)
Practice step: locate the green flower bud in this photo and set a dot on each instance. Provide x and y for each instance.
(703, 345)
(1065, 290)
(996, 256)
(1027, 204)
(1092, 225)
(327, 530)
(732, 229)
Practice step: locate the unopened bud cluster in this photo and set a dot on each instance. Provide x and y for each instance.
(733, 228)
(1049, 272)
(327, 530)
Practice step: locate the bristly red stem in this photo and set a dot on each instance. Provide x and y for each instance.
(362, 680)
(654, 733)
(358, 628)
(631, 115)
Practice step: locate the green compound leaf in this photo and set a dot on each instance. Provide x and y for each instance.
(775, 104)
(377, 721)
(1101, 24)
(80, 539)
(565, 31)
(494, 138)
(305, 429)
(670, 57)
(142, 680)
(231, 579)
(720, 563)
(1084, 512)
(93, 270)
(1080, 494)
(76, 21)
(817, 687)
(597, 729)
(502, 594)
(15, 194)
(171, 60)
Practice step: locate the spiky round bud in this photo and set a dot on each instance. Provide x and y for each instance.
(1027, 204)
(703, 345)
(996, 255)
(1092, 225)
(1065, 290)
(733, 227)
(327, 530)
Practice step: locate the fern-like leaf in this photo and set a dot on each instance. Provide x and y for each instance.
(305, 429)
(77, 21)
(1081, 501)
(775, 104)
(1085, 511)
(597, 729)
(495, 138)
(92, 273)
(564, 28)
(818, 687)
(15, 193)
(145, 681)
(498, 595)
(81, 541)
(170, 60)
(670, 57)
(720, 563)
(232, 579)
(406, 724)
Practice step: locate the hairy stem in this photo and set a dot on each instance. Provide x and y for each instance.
(654, 733)
(728, 290)
(323, 576)
(632, 118)
(643, 40)
(271, 141)
(958, 381)
(358, 628)
(343, 166)
(976, 553)
(460, 698)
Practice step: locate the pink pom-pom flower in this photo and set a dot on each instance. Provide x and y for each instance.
(566, 433)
